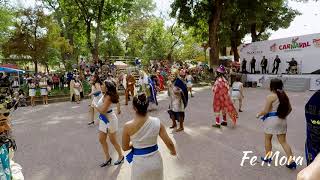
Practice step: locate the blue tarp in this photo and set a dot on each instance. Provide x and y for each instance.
(10, 70)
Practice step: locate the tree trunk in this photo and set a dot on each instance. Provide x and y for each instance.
(223, 51)
(35, 66)
(95, 52)
(234, 48)
(213, 32)
(47, 67)
(234, 39)
(88, 36)
(253, 29)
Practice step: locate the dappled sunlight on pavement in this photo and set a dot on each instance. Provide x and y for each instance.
(55, 143)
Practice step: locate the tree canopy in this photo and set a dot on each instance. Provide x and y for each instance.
(56, 33)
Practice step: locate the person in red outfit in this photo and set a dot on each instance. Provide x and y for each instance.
(221, 100)
(160, 79)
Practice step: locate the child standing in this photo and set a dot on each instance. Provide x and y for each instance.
(237, 92)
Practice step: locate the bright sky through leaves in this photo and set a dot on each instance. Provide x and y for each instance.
(307, 23)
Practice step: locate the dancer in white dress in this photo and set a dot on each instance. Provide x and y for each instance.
(274, 114)
(140, 136)
(108, 122)
(32, 91)
(44, 89)
(95, 95)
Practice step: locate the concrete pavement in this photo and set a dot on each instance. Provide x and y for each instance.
(55, 143)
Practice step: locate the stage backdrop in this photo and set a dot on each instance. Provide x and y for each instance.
(305, 49)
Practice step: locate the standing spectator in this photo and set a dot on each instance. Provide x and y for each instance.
(276, 64)
(56, 81)
(72, 90)
(264, 64)
(32, 91)
(253, 65)
(244, 66)
(43, 84)
(69, 78)
(77, 88)
(62, 81)
(15, 85)
(50, 82)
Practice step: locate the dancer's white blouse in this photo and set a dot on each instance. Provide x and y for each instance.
(148, 166)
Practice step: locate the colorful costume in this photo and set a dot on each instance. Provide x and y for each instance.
(153, 90)
(160, 79)
(6, 140)
(178, 94)
(312, 113)
(148, 86)
(222, 101)
(130, 84)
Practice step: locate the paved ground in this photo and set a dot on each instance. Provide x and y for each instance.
(54, 142)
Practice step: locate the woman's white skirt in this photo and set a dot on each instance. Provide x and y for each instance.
(275, 125)
(112, 126)
(44, 92)
(147, 167)
(235, 95)
(189, 84)
(95, 100)
(76, 92)
(32, 92)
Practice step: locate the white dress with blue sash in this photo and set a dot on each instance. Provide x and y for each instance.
(112, 125)
(149, 166)
(274, 124)
(235, 93)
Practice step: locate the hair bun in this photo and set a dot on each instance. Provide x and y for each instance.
(142, 99)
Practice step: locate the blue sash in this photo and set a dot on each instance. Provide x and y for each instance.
(270, 114)
(235, 89)
(142, 151)
(96, 94)
(104, 118)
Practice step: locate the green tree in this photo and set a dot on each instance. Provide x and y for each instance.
(202, 13)
(134, 29)
(266, 15)
(6, 21)
(71, 29)
(99, 16)
(35, 38)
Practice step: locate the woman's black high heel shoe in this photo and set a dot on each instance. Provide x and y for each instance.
(269, 160)
(119, 162)
(91, 123)
(107, 163)
(292, 165)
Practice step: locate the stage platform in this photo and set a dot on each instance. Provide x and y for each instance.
(299, 82)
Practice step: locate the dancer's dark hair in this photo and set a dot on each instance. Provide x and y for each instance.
(112, 91)
(141, 103)
(218, 74)
(238, 78)
(284, 108)
(97, 79)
